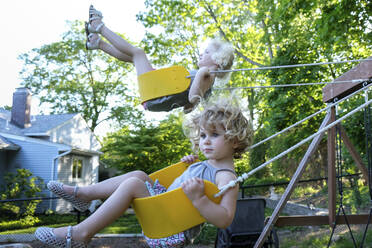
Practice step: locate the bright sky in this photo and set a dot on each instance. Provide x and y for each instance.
(30, 24)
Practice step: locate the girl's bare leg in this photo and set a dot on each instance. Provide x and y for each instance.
(139, 58)
(111, 50)
(95, 42)
(109, 211)
(104, 189)
(137, 55)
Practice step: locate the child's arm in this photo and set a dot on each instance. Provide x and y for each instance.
(220, 215)
(202, 82)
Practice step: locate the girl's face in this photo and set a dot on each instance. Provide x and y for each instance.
(213, 144)
(205, 59)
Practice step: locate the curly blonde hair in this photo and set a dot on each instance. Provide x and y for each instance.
(223, 113)
(223, 55)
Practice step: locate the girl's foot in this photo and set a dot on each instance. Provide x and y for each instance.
(94, 14)
(69, 194)
(60, 237)
(92, 41)
(95, 20)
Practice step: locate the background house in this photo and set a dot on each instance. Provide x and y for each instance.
(54, 147)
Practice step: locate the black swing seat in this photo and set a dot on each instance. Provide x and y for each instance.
(248, 223)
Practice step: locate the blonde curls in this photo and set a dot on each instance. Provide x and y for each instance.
(223, 55)
(223, 113)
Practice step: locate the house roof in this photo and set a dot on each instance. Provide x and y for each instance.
(7, 145)
(39, 123)
(61, 147)
(40, 128)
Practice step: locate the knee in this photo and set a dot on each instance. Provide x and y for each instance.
(140, 175)
(133, 187)
(131, 182)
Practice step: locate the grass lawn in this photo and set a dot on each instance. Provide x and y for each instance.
(300, 237)
(125, 224)
(319, 238)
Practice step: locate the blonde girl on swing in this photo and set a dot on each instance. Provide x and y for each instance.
(219, 131)
(218, 55)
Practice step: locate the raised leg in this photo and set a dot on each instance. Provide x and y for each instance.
(105, 189)
(111, 50)
(135, 55)
(110, 210)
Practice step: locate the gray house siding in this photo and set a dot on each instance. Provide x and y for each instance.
(75, 133)
(35, 157)
(47, 147)
(6, 158)
(38, 157)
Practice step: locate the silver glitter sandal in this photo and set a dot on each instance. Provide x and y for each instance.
(96, 30)
(94, 15)
(47, 236)
(57, 189)
(89, 44)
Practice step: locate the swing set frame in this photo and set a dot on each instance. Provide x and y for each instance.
(331, 93)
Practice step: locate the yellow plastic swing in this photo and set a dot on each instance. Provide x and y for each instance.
(171, 212)
(163, 82)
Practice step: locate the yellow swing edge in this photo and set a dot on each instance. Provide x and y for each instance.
(163, 82)
(172, 212)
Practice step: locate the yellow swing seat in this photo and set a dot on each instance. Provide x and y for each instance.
(163, 82)
(171, 212)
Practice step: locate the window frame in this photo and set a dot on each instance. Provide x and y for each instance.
(82, 169)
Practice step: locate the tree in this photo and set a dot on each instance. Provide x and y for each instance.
(70, 79)
(146, 147)
(268, 33)
(307, 32)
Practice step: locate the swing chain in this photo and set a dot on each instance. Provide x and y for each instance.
(339, 158)
(339, 182)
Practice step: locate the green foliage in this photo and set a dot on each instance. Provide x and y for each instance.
(268, 33)
(51, 220)
(207, 235)
(69, 79)
(147, 147)
(264, 33)
(20, 185)
(258, 154)
(6, 107)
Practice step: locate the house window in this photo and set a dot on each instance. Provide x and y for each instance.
(77, 168)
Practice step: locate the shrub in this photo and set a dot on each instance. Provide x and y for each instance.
(20, 184)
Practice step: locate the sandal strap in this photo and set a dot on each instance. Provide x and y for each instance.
(93, 11)
(92, 45)
(99, 27)
(90, 29)
(47, 237)
(94, 18)
(94, 14)
(69, 237)
(57, 188)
